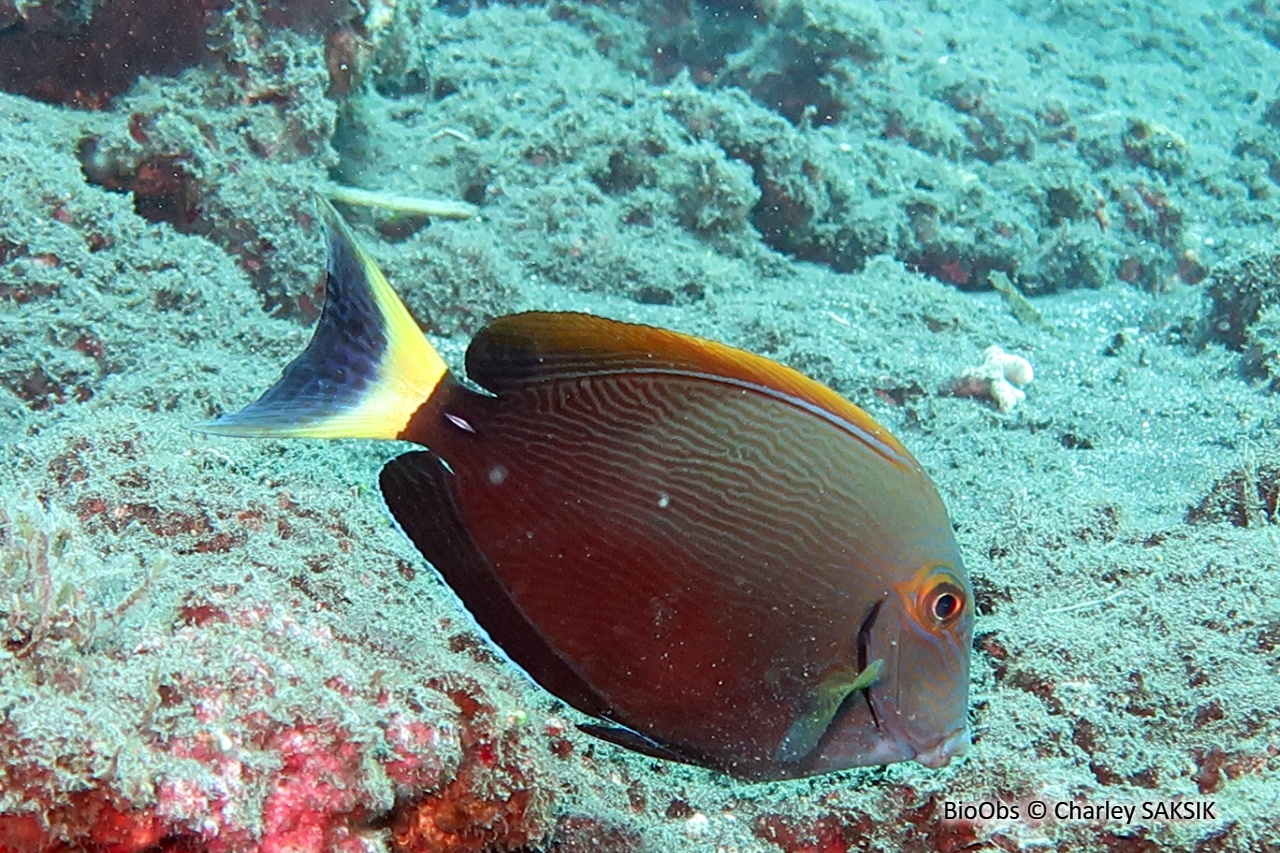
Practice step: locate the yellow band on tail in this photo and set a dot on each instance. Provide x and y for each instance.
(368, 366)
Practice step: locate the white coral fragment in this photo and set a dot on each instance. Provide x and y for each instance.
(1000, 378)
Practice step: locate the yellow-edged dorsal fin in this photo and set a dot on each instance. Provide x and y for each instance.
(519, 349)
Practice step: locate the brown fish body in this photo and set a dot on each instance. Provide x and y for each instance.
(694, 544)
(712, 530)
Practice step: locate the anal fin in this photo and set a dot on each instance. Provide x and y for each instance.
(637, 742)
(420, 492)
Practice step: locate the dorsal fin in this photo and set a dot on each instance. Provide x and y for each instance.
(538, 346)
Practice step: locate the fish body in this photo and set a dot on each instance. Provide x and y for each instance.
(720, 560)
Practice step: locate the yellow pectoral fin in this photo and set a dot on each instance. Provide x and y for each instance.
(836, 686)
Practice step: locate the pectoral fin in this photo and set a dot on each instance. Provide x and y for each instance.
(827, 697)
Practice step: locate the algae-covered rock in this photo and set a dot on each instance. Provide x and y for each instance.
(1263, 354)
(800, 67)
(1243, 310)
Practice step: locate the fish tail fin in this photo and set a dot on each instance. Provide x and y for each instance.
(367, 369)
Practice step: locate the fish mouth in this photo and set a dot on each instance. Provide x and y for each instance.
(952, 746)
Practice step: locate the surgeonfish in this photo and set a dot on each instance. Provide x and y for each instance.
(719, 560)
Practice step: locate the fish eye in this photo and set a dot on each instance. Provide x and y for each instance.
(942, 602)
(945, 605)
